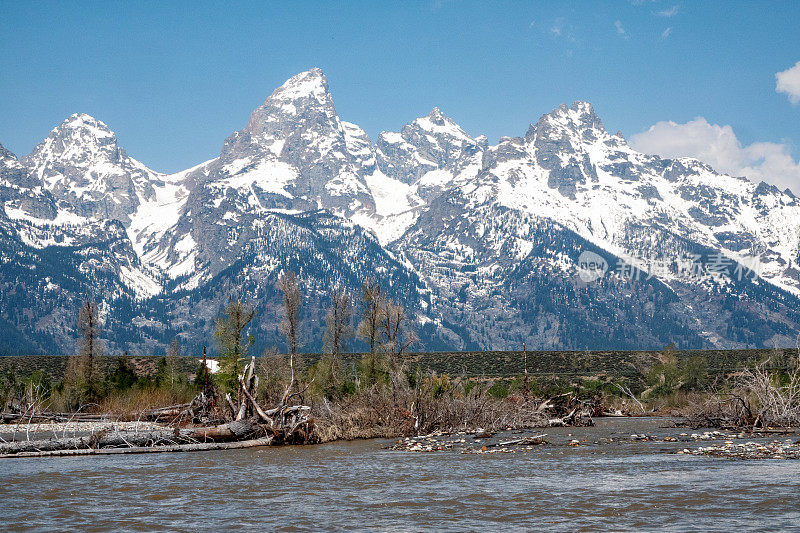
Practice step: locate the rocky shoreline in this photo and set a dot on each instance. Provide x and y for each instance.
(788, 449)
(480, 441)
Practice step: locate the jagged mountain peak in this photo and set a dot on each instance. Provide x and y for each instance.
(81, 120)
(12, 171)
(437, 122)
(579, 110)
(302, 101)
(494, 233)
(85, 169)
(577, 119)
(86, 129)
(78, 136)
(436, 116)
(310, 86)
(6, 153)
(294, 154)
(82, 144)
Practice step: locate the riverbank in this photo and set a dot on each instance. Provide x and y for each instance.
(668, 431)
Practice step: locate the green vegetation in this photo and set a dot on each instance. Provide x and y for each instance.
(232, 348)
(550, 372)
(91, 380)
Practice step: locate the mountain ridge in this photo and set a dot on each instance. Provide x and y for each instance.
(297, 187)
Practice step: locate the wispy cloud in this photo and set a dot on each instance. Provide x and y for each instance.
(557, 28)
(669, 12)
(788, 81)
(666, 33)
(621, 29)
(439, 4)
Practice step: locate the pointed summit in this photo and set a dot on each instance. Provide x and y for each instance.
(436, 116)
(309, 84)
(80, 163)
(79, 141)
(580, 116)
(296, 148)
(302, 100)
(88, 125)
(430, 143)
(438, 123)
(12, 171)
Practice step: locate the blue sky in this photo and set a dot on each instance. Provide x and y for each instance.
(174, 79)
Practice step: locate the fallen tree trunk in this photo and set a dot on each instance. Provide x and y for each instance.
(11, 418)
(197, 447)
(173, 410)
(233, 431)
(525, 441)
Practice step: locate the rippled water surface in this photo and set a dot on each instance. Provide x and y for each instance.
(617, 485)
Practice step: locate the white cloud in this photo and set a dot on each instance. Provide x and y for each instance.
(788, 82)
(666, 33)
(620, 29)
(669, 12)
(719, 147)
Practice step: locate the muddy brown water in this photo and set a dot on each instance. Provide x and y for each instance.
(611, 485)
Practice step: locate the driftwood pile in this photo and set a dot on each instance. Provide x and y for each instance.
(569, 410)
(248, 425)
(199, 411)
(291, 423)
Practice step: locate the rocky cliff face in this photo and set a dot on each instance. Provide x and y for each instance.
(293, 154)
(485, 245)
(82, 166)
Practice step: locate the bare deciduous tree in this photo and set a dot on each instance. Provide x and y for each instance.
(369, 327)
(290, 323)
(90, 331)
(396, 333)
(173, 353)
(91, 346)
(275, 372)
(339, 322)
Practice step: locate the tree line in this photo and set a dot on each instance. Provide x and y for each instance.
(380, 323)
(383, 326)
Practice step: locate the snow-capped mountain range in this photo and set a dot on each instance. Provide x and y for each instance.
(482, 243)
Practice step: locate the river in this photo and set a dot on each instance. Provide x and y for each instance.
(616, 484)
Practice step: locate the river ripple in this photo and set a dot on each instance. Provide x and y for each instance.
(620, 485)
